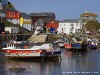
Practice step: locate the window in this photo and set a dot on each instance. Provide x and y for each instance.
(14, 15)
(72, 24)
(9, 15)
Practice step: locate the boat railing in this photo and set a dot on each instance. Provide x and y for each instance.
(11, 46)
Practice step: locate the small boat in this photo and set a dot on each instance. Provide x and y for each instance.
(93, 44)
(68, 46)
(50, 51)
(44, 50)
(90, 46)
(57, 41)
(61, 44)
(76, 46)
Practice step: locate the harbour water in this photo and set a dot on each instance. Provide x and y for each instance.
(72, 63)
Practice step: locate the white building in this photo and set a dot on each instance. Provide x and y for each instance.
(25, 22)
(12, 15)
(12, 29)
(1, 7)
(69, 26)
(2, 13)
(14, 21)
(85, 17)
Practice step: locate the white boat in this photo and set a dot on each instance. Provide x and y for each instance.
(60, 42)
(57, 41)
(16, 42)
(35, 51)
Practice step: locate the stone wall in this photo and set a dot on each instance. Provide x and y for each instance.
(38, 38)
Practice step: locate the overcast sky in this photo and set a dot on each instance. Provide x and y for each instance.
(63, 9)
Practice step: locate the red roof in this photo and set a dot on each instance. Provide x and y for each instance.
(52, 24)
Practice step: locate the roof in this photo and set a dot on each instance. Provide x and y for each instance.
(25, 16)
(89, 14)
(2, 11)
(69, 20)
(53, 24)
(49, 14)
(10, 9)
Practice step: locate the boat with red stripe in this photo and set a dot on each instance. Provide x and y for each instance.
(45, 50)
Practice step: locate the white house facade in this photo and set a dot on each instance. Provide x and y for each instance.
(25, 22)
(69, 26)
(14, 21)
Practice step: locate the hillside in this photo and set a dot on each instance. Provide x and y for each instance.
(21, 29)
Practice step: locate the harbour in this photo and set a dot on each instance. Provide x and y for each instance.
(73, 62)
(44, 38)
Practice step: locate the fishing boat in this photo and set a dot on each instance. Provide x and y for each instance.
(68, 46)
(59, 42)
(76, 46)
(44, 50)
(93, 44)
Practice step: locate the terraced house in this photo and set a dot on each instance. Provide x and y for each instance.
(41, 19)
(12, 15)
(25, 22)
(89, 22)
(68, 26)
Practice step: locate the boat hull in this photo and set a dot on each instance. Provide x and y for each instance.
(76, 46)
(23, 53)
(44, 50)
(61, 44)
(55, 52)
(90, 46)
(68, 46)
(27, 53)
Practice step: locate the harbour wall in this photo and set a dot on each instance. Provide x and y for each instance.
(38, 38)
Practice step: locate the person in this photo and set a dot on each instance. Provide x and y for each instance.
(25, 46)
(22, 45)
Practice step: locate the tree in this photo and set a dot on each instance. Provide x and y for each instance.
(99, 25)
(92, 26)
(9, 5)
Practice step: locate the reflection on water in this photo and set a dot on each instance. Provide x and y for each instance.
(2, 64)
(35, 68)
(79, 62)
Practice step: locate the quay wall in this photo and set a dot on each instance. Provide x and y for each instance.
(38, 38)
(57, 36)
(41, 38)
